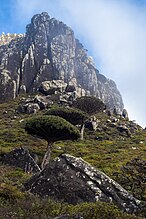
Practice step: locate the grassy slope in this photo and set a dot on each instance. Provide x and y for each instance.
(107, 155)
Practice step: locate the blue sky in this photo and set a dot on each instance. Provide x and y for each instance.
(113, 31)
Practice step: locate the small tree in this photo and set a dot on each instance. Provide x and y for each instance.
(89, 104)
(74, 116)
(52, 129)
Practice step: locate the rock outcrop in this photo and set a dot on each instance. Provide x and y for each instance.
(7, 86)
(20, 157)
(49, 51)
(73, 180)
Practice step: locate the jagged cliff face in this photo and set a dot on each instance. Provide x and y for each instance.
(49, 51)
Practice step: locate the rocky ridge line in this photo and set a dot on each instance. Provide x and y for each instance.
(49, 51)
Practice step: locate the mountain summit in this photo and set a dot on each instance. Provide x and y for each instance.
(49, 51)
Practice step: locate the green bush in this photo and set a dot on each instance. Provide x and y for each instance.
(51, 128)
(73, 116)
(89, 104)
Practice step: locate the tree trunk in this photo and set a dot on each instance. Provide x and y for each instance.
(47, 155)
(82, 131)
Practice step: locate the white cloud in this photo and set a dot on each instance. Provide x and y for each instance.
(115, 33)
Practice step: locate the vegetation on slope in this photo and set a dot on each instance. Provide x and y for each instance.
(107, 149)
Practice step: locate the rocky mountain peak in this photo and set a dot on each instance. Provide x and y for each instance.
(49, 51)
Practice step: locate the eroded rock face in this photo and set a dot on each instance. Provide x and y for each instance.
(7, 86)
(49, 51)
(20, 157)
(73, 180)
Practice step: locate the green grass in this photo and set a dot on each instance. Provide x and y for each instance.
(108, 155)
(31, 207)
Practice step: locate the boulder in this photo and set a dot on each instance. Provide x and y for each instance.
(92, 123)
(70, 88)
(42, 101)
(32, 108)
(7, 86)
(22, 89)
(122, 128)
(125, 113)
(20, 157)
(50, 87)
(73, 180)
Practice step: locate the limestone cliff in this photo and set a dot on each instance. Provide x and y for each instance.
(49, 51)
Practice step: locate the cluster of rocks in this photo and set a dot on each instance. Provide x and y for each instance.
(49, 51)
(32, 105)
(123, 124)
(55, 91)
(119, 122)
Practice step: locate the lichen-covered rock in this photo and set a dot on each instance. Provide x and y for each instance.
(49, 51)
(20, 157)
(73, 180)
(50, 87)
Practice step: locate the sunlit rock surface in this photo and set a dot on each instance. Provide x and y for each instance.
(49, 51)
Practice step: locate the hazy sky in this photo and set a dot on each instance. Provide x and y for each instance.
(113, 31)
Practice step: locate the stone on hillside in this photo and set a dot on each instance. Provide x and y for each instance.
(125, 113)
(70, 88)
(81, 92)
(32, 108)
(21, 158)
(42, 101)
(7, 86)
(33, 105)
(92, 123)
(122, 128)
(50, 87)
(22, 89)
(73, 180)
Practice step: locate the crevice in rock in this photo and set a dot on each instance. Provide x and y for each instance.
(49, 54)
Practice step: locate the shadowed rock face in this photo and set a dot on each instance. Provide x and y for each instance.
(73, 180)
(49, 51)
(21, 158)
